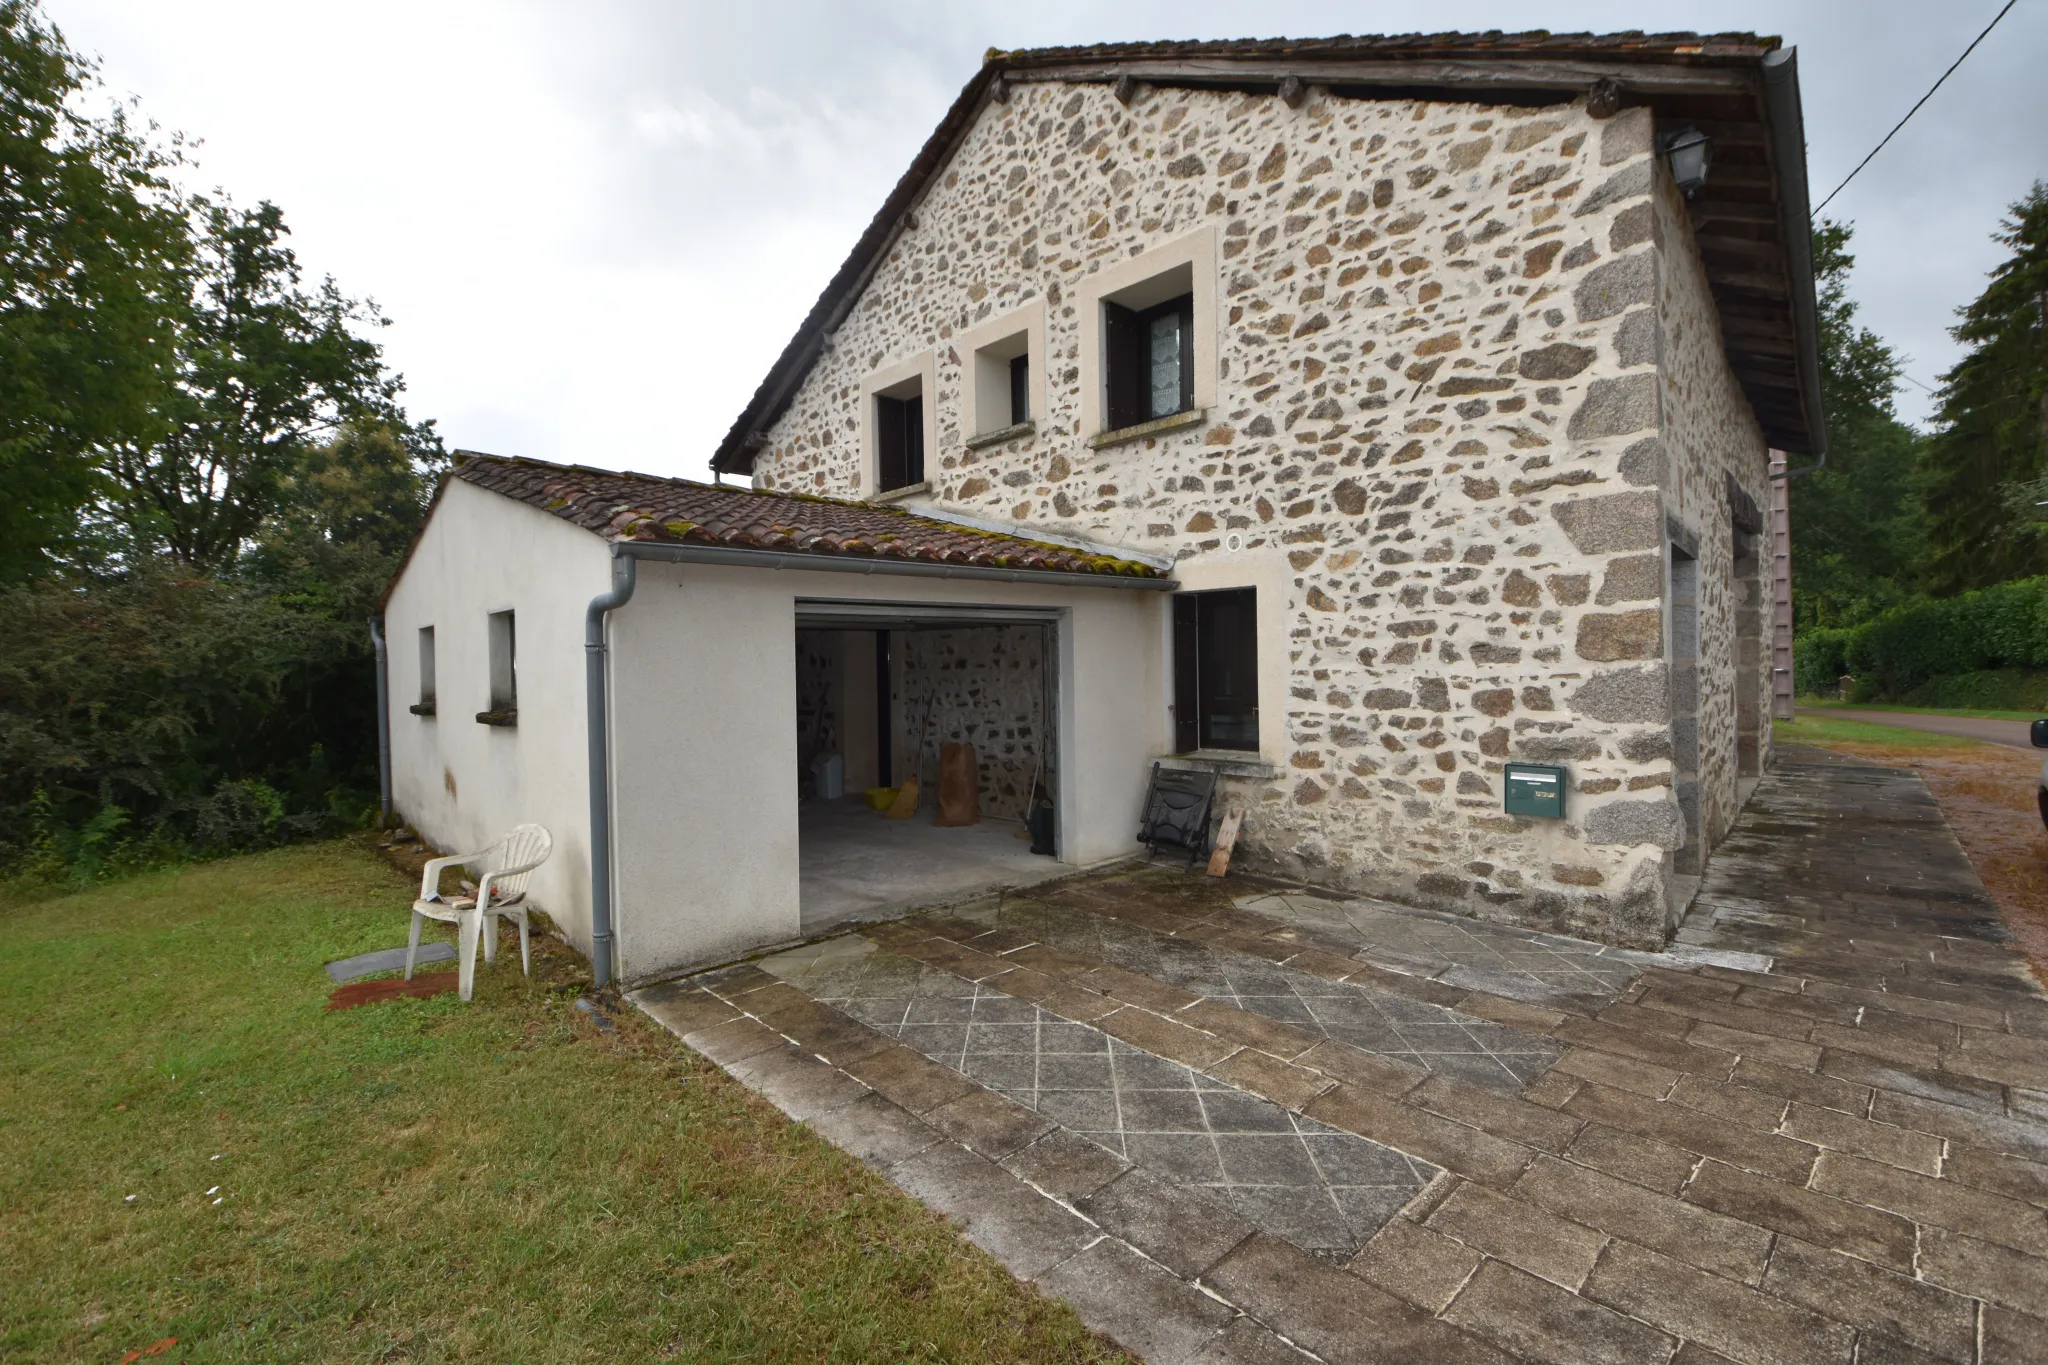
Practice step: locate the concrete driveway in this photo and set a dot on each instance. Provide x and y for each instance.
(2011, 733)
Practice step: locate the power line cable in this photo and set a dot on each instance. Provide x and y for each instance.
(1916, 107)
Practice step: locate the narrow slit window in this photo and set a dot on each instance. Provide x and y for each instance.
(899, 439)
(425, 706)
(504, 665)
(1216, 670)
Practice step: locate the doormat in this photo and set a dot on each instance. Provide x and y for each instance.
(393, 988)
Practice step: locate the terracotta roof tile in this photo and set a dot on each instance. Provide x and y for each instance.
(641, 508)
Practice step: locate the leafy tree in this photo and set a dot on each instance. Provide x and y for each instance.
(265, 371)
(93, 247)
(1986, 464)
(1858, 539)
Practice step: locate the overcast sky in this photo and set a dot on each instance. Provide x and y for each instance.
(595, 224)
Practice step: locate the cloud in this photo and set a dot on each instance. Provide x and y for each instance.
(595, 226)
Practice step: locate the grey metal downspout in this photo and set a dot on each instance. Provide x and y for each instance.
(595, 651)
(1788, 151)
(383, 718)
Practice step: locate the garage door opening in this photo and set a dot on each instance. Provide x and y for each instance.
(882, 690)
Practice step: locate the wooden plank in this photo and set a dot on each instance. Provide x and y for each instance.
(1226, 839)
(1498, 71)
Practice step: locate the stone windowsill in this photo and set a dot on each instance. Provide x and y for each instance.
(507, 717)
(1027, 427)
(1180, 421)
(909, 490)
(1222, 762)
(422, 708)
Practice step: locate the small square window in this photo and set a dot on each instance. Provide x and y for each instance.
(899, 436)
(1216, 670)
(1002, 384)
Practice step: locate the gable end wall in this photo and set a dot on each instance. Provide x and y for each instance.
(1435, 440)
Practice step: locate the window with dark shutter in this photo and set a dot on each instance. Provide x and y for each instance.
(899, 441)
(1151, 360)
(1216, 670)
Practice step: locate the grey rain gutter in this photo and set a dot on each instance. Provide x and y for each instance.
(383, 717)
(625, 562)
(1788, 152)
(625, 570)
(861, 564)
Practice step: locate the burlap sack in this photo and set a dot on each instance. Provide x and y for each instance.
(959, 786)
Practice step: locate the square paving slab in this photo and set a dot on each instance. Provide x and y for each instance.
(1412, 1031)
(1322, 1189)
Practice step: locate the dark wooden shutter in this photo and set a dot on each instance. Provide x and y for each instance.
(1228, 663)
(889, 471)
(913, 440)
(1187, 653)
(1020, 389)
(1123, 347)
(1186, 305)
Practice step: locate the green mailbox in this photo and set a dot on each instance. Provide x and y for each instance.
(1536, 789)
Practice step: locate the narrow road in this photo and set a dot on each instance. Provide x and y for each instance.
(2011, 733)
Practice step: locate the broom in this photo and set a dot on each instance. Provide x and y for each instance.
(905, 804)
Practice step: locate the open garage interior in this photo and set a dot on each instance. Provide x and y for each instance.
(961, 700)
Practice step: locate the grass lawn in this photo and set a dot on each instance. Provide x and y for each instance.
(1824, 730)
(420, 1180)
(1831, 704)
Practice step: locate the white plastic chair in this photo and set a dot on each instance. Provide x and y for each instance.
(501, 871)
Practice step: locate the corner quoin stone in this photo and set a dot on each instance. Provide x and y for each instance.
(1607, 637)
(1611, 523)
(1635, 822)
(1617, 287)
(1633, 578)
(1642, 464)
(1615, 407)
(1622, 696)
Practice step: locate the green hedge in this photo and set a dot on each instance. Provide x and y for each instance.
(2002, 627)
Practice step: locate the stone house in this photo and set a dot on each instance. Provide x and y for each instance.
(1429, 386)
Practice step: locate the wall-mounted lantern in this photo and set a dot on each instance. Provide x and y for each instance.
(1689, 151)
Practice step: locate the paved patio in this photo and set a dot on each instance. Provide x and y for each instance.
(1233, 1123)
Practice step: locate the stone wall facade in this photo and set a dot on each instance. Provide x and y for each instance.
(1464, 372)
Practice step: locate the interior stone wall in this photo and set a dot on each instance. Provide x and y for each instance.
(817, 727)
(1437, 394)
(985, 687)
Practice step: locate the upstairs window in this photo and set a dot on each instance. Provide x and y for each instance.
(899, 436)
(1148, 334)
(1002, 384)
(1216, 670)
(425, 705)
(504, 708)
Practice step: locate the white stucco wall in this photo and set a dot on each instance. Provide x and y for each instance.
(461, 783)
(704, 716)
